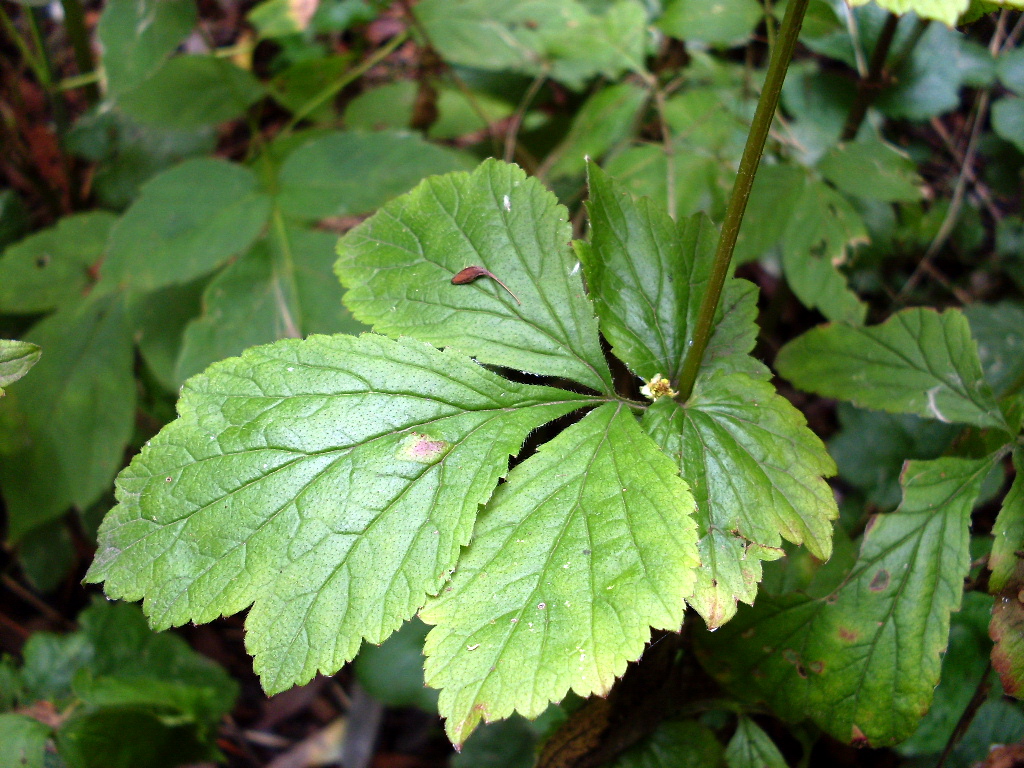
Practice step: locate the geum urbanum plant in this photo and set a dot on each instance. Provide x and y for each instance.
(340, 485)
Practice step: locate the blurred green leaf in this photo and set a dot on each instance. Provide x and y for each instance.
(138, 35)
(283, 288)
(946, 11)
(63, 432)
(190, 92)
(392, 672)
(1008, 120)
(1010, 69)
(724, 23)
(187, 221)
(158, 321)
(53, 267)
(562, 38)
(341, 174)
(675, 744)
(998, 330)
(24, 741)
(303, 81)
(872, 169)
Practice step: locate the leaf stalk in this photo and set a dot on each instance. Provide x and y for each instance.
(782, 54)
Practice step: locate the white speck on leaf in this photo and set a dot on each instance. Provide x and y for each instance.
(933, 408)
(575, 269)
(508, 203)
(472, 647)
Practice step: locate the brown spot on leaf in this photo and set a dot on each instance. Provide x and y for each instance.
(880, 582)
(848, 635)
(421, 448)
(817, 667)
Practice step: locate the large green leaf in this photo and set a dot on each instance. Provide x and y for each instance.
(559, 37)
(282, 288)
(16, 357)
(63, 430)
(187, 221)
(862, 662)
(329, 483)
(756, 472)
(722, 23)
(399, 267)
(588, 545)
(137, 35)
(53, 267)
(918, 361)
(1007, 583)
(192, 92)
(341, 174)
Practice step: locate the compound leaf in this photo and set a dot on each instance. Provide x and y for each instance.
(328, 482)
(918, 361)
(400, 263)
(588, 545)
(864, 661)
(756, 472)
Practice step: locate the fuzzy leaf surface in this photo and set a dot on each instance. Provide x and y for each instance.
(863, 662)
(588, 545)
(328, 482)
(399, 265)
(757, 474)
(918, 361)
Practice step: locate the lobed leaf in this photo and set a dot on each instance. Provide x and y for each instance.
(918, 361)
(862, 663)
(588, 545)
(756, 472)
(399, 264)
(329, 483)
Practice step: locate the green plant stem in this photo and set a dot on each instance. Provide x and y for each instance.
(353, 74)
(869, 86)
(26, 52)
(782, 53)
(74, 24)
(512, 133)
(670, 151)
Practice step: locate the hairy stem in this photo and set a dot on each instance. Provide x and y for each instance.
(782, 53)
(868, 87)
